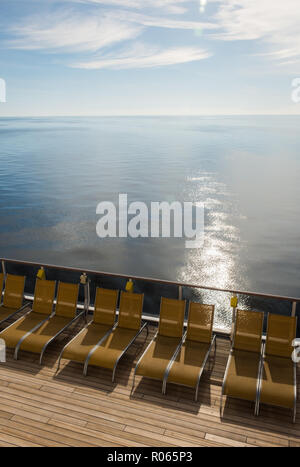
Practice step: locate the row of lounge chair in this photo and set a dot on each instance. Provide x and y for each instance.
(258, 369)
(47, 319)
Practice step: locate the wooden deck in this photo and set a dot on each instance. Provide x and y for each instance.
(40, 407)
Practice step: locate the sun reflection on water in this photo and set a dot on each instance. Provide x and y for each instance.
(216, 263)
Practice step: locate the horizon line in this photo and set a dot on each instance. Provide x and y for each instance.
(156, 115)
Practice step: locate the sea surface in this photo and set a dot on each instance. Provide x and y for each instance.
(246, 171)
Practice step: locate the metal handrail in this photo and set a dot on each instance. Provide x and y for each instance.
(157, 281)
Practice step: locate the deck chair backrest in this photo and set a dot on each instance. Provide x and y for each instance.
(200, 322)
(43, 296)
(248, 330)
(67, 297)
(281, 330)
(105, 306)
(171, 317)
(14, 291)
(130, 313)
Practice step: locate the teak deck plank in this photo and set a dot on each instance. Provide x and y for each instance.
(40, 406)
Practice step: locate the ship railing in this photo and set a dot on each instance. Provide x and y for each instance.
(179, 285)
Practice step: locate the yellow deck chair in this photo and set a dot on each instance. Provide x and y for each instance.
(241, 378)
(109, 350)
(38, 339)
(41, 310)
(187, 365)
(278, 375)
(103, 322)
(13, 296)
(155, 360)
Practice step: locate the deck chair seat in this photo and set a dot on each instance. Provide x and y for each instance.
(188, 363)
(13, 295)
(111, 349)
(155, 360)
(103, 321)
(65, 313)
(44, 333)
(277, 383)
(157, 357)
(84, 342)
(41, 310)
(241, 377)
(6, 312)
(12, 334)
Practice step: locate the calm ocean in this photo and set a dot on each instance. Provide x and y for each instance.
(246, 170)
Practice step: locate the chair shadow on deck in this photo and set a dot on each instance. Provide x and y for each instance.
(99, 377)
(273, 427)
(50, 358)
(273, 422)
(177, 397)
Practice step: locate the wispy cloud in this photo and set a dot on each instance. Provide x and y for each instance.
(170, 6)
(90, 26)
(275, 22)
(72, 32)
(106, 31)
(141, 56)
(163, 21)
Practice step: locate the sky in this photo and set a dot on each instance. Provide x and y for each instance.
(149, 57)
